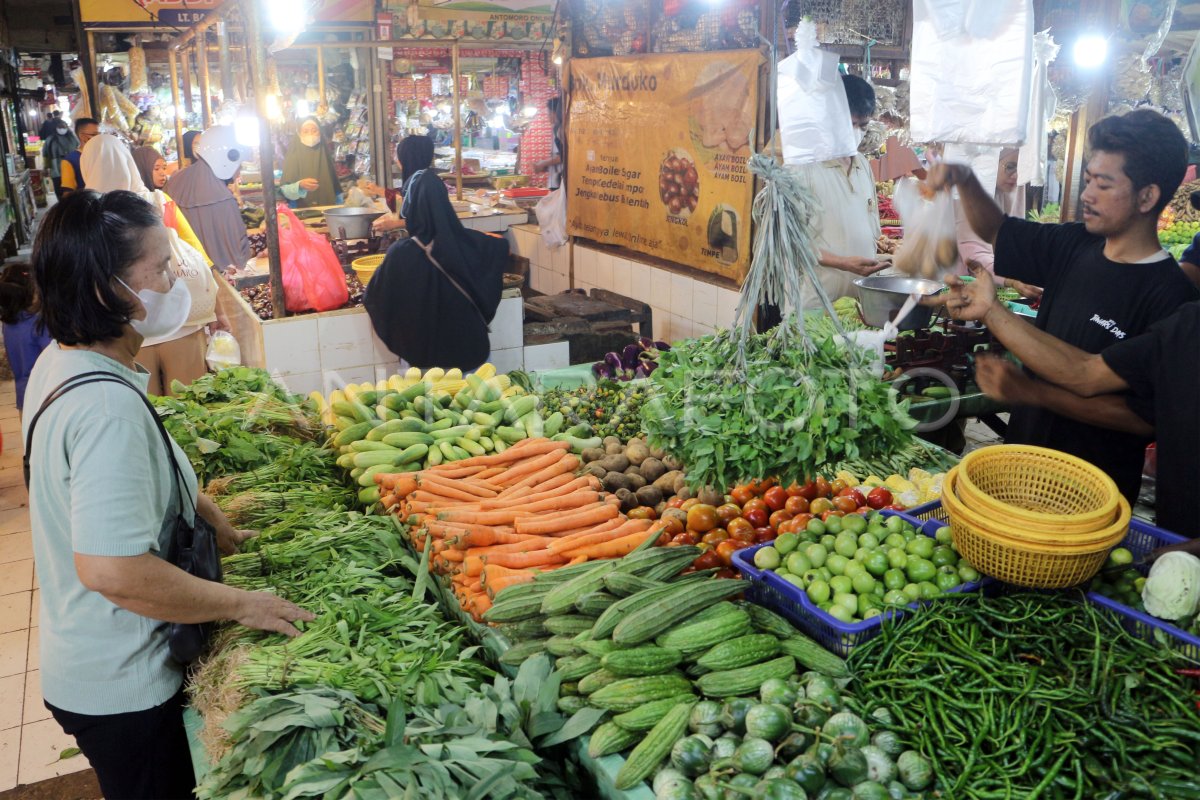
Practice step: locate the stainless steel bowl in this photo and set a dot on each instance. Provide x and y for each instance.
(882, 295)
(355, 221)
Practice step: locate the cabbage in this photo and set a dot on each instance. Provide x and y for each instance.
(1172, 590)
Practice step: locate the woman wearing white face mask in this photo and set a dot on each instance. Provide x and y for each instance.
(309, 177)
(178, 354)
(104, 500)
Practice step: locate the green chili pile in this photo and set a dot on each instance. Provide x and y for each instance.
(1034, 696)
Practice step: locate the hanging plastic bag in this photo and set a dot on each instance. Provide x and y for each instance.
(313, 279)
(814, 115)
(930, 246)
(223, 351)
(551, 213)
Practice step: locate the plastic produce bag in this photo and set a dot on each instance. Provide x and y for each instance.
(930, 247)
(971, 68)
(551, 213)
(814, 115)
(1031, 164)
(313, 279)
(223, 351)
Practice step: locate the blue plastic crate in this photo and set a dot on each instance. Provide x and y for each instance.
(769, 590)
(929, 511)
(1141, 539)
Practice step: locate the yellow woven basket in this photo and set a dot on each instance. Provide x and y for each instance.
(365, 267)
(1000, 550)
(1045, 490)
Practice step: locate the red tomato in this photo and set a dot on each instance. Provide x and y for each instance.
(776, 498)
(691, 501)
(757, 487)
(829, 514)
(764, 535)
(741, 495)
(879, 497)
(675, 502)
(727, 573)
(664, 539)
(823, 487)
(702, 518)
(863, 510)
(778, 518)
(808, 491)
(820, 506)
(739, 524)
(707, 560)
(788, 527)
(757, 517)
(763, 486)
(643, 512)
(672, 525)
(725, 551)
(837, 486)
(892, 507)
(801, 522)
(728, 513)
(795, 490)
(855, 495)
(687, 537)
(743, 535)
(796, 505)
(756, 502)
(714, 537)
(844, 504)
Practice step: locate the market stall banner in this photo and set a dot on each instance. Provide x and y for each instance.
(148, 13)
(656, 159)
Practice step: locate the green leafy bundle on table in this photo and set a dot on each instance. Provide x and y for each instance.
(790, 411)
(612, 408)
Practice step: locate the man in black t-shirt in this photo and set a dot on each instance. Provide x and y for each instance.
(1138, 385)
(1106, 280)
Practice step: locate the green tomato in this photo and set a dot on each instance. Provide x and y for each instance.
(967, 573)
(836, 563)
(896, 598)
(920, 546)
(798, 563)
(766, 557)
(929, 590)
(854, 568)
(840, 584)
(879, 589)
(833, 525)
(943, 555)
(854, 523)
(816, 554)
(825, 574)
(818, 591)
(897, 558)
(794, 580)
(877, 563)
(864, 584)
(919, 569)
(895, 540)
(840, 612)
(816, 527)
(1120, 556)
(894, 524)
(943, 535)
(786, 543)
(947, 580)
(861, 554)
(912, 591)
(866, 602)
(868, 541)
(847, 600)
(846, 544)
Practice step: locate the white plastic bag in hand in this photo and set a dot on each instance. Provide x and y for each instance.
(930, 246)
(814, 115)
(223, 351)
(551, 213)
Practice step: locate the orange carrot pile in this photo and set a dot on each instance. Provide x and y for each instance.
(498, 520)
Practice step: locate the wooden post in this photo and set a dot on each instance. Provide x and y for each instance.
(174, 67)
(457, 122)
(202, 65)
(252, 14)
(322, 104)
(185, 69)
(223, 60)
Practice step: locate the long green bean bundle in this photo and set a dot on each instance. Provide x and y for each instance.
(1034, 696)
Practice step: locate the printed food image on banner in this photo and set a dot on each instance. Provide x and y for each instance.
(657, 150)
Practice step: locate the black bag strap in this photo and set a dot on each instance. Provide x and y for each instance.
(100, 376)
(428, 249)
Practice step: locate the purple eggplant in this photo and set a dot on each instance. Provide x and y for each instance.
(662, 347)
(631, 354)
(603, 370)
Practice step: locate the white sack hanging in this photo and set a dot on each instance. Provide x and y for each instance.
(814, 115)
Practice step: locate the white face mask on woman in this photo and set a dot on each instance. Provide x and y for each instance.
(311, 140)
(166, 312)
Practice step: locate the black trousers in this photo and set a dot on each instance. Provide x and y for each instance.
(138, 755)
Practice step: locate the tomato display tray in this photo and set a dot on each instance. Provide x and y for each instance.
(769, 590)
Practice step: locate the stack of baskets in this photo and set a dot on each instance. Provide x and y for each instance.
(1033, 517)
(365, 267)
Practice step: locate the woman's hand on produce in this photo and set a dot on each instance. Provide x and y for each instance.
(310, 184)
(267, 612)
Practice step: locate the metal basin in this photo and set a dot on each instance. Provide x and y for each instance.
(882, 295)
(356, 222)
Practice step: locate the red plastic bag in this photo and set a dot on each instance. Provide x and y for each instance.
(313, 279)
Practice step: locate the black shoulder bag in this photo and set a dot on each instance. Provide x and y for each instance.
(193, 547)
